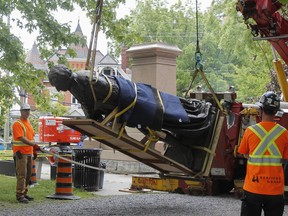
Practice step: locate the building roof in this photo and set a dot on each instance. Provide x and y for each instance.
(75, 112)
(108, 60)
(81, 51)
(99, 57)
(34, 58)
(78, 30)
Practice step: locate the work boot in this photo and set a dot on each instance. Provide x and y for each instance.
(22, 199)
(28, 198)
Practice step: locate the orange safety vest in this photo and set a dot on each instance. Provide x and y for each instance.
(22, 128)
(266, 144)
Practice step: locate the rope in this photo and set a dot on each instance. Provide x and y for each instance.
(71, 161)
(92, 167)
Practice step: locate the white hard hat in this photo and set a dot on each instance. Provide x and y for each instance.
(25, 106)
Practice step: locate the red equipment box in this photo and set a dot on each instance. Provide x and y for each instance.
(51, 129)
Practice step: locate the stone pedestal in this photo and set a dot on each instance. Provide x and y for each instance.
(155, 64)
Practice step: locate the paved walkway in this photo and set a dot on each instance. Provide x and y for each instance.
(112, 183)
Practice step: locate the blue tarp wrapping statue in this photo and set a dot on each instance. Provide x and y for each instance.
(151, 107)
(187, 123)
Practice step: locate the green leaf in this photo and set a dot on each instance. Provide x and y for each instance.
(283, 1)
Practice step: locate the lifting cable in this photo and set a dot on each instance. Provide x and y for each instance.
(199, 66)
(90, 63)
(198, 54)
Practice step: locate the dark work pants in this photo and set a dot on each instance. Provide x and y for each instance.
(252, 204)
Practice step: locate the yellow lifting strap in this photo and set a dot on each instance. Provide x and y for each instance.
(249, 111)
(124, 111)
(130, 105)
(121, 130)
(110, 89)
(208, 85)
(204, 149)
(152, 137)
(110, 116)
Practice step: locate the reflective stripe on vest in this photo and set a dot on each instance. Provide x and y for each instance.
(19, 143)
(267, 143)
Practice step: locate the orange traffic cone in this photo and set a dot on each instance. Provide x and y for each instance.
(33, 179)
(64, 189)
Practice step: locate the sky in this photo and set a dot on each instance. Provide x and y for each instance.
(78, 15)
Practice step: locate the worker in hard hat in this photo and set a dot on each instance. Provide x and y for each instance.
(264, 145)
(23, 146)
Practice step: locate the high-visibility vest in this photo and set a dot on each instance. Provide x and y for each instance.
(17, 144)
(267, 143)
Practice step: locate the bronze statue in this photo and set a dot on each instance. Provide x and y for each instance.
(78, 84)
(186, 122)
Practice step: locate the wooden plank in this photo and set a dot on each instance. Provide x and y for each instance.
(214, 145)
(128, 146)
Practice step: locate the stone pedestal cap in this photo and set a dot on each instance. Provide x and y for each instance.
(153, 49)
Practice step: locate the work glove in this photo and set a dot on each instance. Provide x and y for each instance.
(37, 148)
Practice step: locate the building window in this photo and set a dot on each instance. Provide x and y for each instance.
(74, 101)
(107, 72)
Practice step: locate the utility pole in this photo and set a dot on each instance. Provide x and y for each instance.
(7, 129)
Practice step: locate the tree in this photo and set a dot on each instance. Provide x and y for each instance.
(229, 55)
(225, 43)
(158, 21)
(38, 15)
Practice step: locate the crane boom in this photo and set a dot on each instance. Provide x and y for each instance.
(270, 24)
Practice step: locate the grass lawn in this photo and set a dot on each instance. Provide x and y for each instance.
(39, 192)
